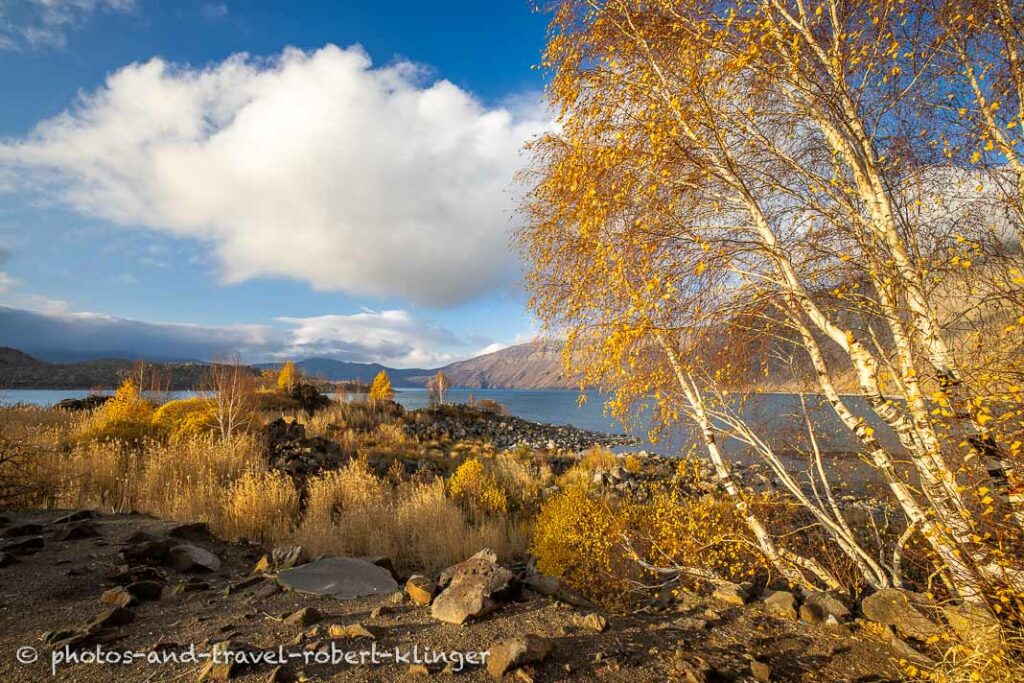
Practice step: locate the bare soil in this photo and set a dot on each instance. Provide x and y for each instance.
(58, 588)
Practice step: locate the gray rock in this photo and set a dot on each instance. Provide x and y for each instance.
(77, 516)
(591, 622)
(23, 546)
(344, 578)
(781, 604)
(6, 559)
(76, 531)
(192, 558)
(902, 611)
(516, 652)
(22, 530)
(830, 604)
(112, 618)
(195, 531)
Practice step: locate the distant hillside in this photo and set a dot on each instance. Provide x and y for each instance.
(18, 370)
(527, 366)
(535, 365)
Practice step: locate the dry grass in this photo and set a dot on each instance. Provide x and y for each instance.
(352, 512)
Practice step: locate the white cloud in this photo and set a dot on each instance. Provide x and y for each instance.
(7, 283)
(45, 23)
(395, 338)
(311, 165)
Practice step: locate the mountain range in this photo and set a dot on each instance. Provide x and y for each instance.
(534, 365)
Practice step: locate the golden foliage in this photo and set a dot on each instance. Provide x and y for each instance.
(187, 417)
(381, 389)
(287, 377)
(126, 417)
(477, 488)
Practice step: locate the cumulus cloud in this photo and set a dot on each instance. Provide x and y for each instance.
(395, 338)
(315, 166)
(45, 23)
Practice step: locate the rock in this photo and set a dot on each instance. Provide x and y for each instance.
(781, 604)
(901, 610)
(344, 578)
(307, 616)
(76, 531)
(351, 631)
(195, 531)
(731, 593)
(279, 674)
(397, 598)
(145, 590)
(689, 668)
(242, 584)
(77, 516)
(591, 622)
(192, 558)
(147, 552)
(813, 614)
(219, 671)
(22, 530)
(830, 603)
(421, 589)
(288, 556)
(381, 611)
(760, 671)
(554, 588)
(78, 404)
(119, 597)
(112, 618)
(267, 590)
(516, 652)
(473, 588)
(6, 559)
(24, 546)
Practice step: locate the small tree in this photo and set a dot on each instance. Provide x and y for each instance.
(234, 389)
(288, 376)
(381, 389)
(438, 387)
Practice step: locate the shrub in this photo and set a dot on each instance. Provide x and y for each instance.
(187, 417)
(603, 551)
(576, 537)
(127, 417)
(474, 486)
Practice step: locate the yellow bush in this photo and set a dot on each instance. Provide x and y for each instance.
(287, 377)
(601, 550)
(576, 537)
(187, 417)
(474, 486)
(125, 417)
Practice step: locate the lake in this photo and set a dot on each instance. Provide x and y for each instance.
(778, 417)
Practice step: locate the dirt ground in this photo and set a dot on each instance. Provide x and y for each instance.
(58, 588)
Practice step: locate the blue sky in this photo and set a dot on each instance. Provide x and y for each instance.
(302, 178)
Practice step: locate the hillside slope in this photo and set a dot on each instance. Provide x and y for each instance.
(534, 365)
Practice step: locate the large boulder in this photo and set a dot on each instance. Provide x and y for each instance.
(187, 557)
(77, 404)
(902, 610)
(781, 604)
(473, 588)
(830, 604)
(345, 578)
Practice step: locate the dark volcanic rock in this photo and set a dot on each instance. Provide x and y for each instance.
(290, 450)
(77, 404)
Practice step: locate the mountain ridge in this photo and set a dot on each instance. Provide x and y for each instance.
(533, 365)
